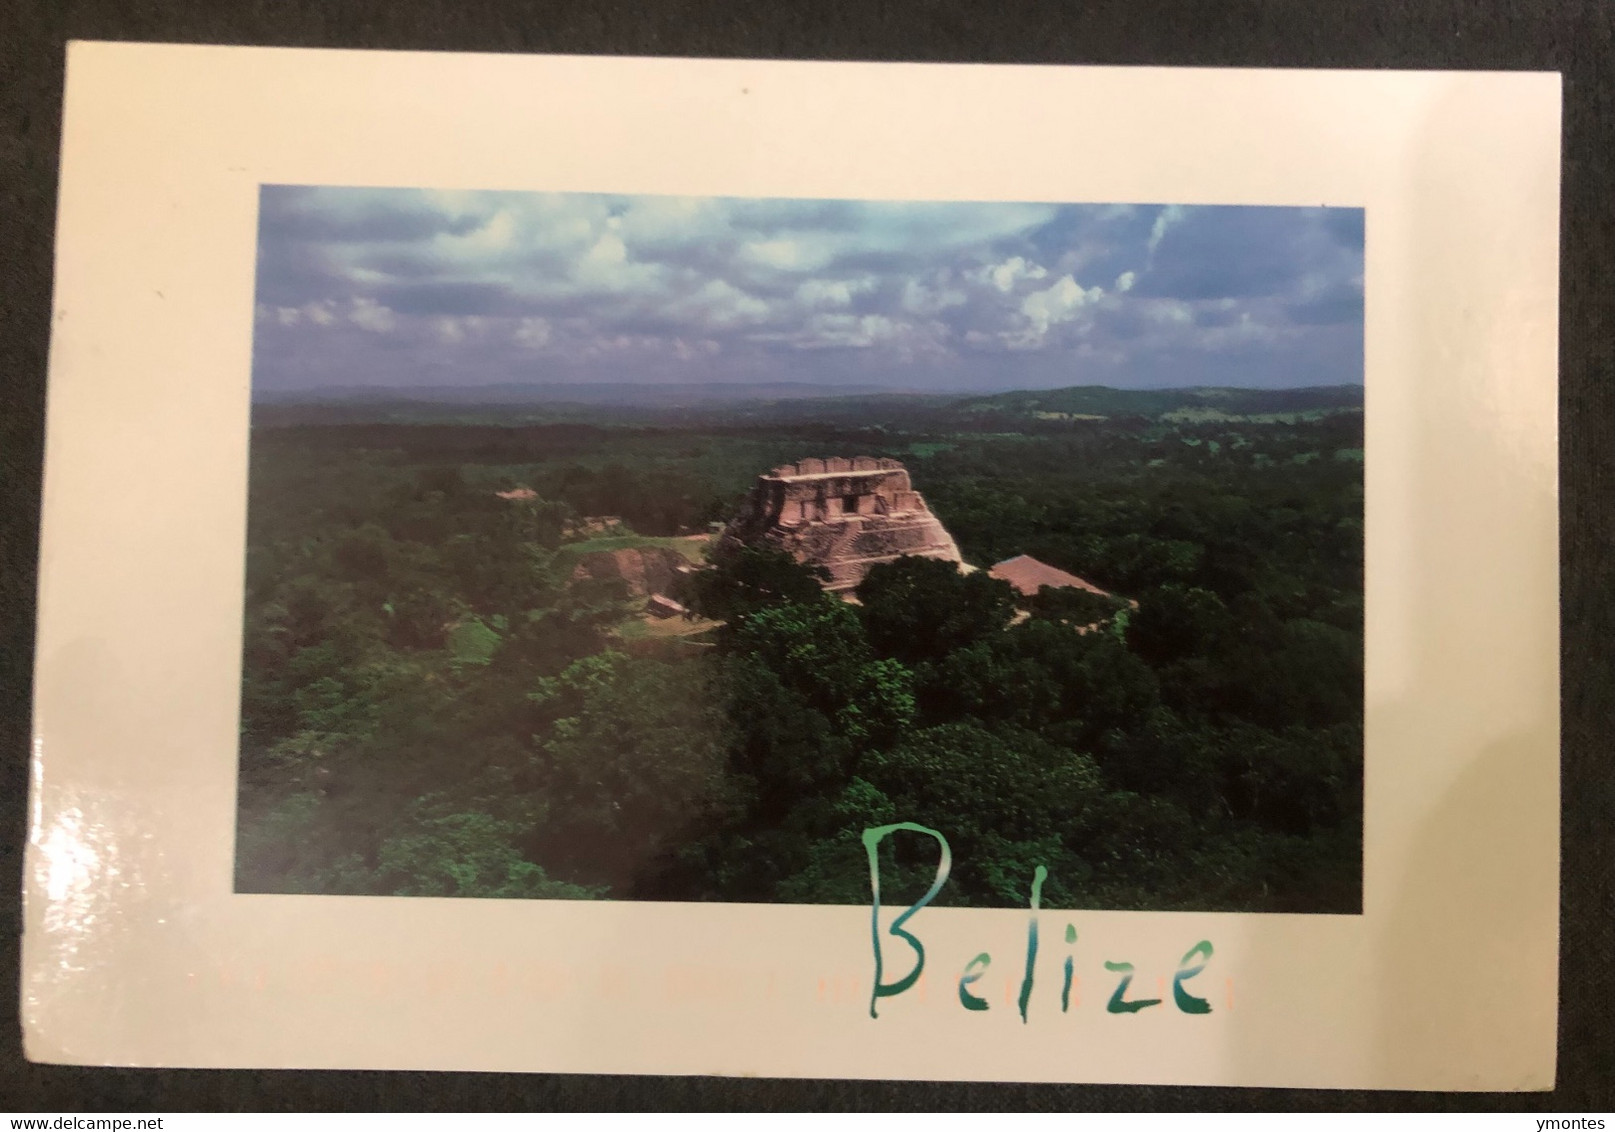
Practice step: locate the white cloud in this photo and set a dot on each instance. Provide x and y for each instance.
(605, 268)
(608, 252)
(720, 304)
(1005, 275)
(844, 330)
(772, 253)
(366, 314)
(320, 314)
(1168, 217)
(651, 224)
(785, 253)
(533, 333)
(1237, 334)
(923, 300)
(832, 292)
(496, 235)
(688, 351)
(454, 202)
(753, 285)
(941, 226)
(1055, 304)
(1173, 312)
(620, 344)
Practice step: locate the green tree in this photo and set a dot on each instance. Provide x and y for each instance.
(634, 753)
(745, 579)
(1042, 676)
(1072, 605)
(466, 854)
(819, 651)
(1173, 622)
(917, 609)
(1002, 798)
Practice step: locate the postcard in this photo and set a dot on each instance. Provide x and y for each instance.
(799, 569)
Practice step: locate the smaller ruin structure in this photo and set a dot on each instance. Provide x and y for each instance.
(661, 606)
(845, 515)
(1028, 576)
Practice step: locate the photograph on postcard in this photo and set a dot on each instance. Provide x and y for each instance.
(655, 548)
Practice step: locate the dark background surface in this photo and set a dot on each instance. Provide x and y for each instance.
(1577, 39)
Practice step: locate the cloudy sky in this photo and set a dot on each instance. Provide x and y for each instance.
(410, 288)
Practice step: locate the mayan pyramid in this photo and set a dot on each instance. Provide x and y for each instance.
(844, 515)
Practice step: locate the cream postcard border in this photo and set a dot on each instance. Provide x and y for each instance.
(136, 952)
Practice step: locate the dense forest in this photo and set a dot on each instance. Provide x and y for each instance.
(439, 699)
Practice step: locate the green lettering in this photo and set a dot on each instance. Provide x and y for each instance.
(1118, 1003)
(1039, 875)
(872, 840)
(974, 970)
(1187, 1002)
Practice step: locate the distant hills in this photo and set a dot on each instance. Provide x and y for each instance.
(1195, 403)
(622, 394)
(798, 403)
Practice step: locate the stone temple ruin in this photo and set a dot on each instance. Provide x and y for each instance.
(845, 515)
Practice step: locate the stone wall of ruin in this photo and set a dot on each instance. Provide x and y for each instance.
(840, 513)
(837, 464)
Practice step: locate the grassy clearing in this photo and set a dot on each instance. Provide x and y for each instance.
(690, 548)
(1218, 416)
(668, 627)
(646, 627)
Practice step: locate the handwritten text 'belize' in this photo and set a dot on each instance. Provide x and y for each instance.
(1192, 963)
